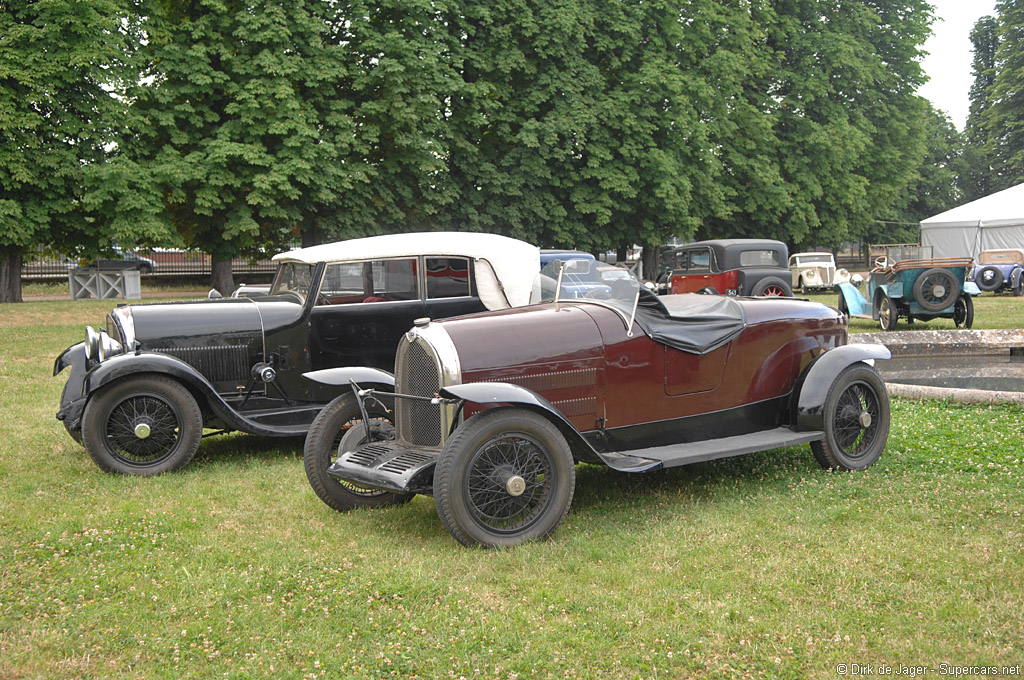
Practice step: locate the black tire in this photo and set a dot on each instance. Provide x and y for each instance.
(145, 425)
(1018, 290)
(321, 449)
(989, 278)
(844, 309)
(888, 315)
(505, 477)
(963, 312)
(936, 289)
(707, 290)
(856, 420)
(771, 286)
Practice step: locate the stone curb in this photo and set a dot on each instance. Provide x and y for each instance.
(954, 394)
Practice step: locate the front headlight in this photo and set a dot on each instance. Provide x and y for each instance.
(99, 346)
(811, 274)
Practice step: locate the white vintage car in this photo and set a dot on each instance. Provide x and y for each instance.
(817, 271)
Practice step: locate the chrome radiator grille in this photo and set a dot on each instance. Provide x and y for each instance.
(417, 372)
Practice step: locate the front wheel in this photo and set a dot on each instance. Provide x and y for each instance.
(339, 422)
(504, 478)
(142, 426)
(887, 314)
(856, 420)
(963, 312)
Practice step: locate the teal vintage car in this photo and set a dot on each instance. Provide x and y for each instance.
(915, 289)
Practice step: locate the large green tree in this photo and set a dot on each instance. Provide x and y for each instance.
(836, 132)
(975, 177)
(61, 67)
(574, 123)
(257, 122)
(1004, 119)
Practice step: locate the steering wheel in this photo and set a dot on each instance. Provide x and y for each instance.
(883, 262)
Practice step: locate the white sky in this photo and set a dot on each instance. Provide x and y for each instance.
(948, 63)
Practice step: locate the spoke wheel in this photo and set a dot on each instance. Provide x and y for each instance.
(887, 314)
(504, 478)
(142, 426)
(963, 312)
(773, 287)
(856, 420)
(936, 289)
(339, 427)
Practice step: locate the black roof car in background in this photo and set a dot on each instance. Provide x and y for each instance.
(141, 390)
(734, 267)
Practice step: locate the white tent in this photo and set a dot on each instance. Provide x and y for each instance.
(990, 223)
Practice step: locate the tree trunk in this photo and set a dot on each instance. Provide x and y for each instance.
(309, 236)
(221, 277)
(622, 254)
(648, 263)
(10, 278)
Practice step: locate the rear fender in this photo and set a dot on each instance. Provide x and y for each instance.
(971, 288)
(493, 393)
(813, 385)
(1015, 276)
(856, 303)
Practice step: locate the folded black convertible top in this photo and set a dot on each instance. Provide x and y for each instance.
(692, 323)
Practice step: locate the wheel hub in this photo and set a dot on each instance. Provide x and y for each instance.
(515, 485)
(939, 291)
(865, 419)
(142, 430)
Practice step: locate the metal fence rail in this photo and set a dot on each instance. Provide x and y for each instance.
(157, 262)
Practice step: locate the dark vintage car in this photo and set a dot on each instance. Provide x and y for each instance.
(141, 391)
(489, 413)
(741, 267)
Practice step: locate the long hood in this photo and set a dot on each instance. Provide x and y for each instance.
(209, 322)
(523, 337)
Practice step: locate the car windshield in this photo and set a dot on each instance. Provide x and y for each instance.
(293, 277)
(577, 282)
(813, 259)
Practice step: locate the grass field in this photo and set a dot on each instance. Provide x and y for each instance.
(756, 567)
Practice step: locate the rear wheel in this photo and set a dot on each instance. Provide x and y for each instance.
(142, 426)
(856, 420)
(340, 423)
(963, 312)
(505, 477)
(772, 287)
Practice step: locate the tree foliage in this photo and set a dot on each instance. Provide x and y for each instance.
(975, 179)
(586, 123)
(60, 71)
(1004, 118)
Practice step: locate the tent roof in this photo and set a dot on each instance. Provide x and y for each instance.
(1001, 209)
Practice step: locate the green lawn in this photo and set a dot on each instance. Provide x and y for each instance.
(762, 566)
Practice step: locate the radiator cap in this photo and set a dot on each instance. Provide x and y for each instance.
(421, 322)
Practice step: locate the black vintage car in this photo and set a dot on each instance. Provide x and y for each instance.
(491, 412)
(742, 266)
(141, 390)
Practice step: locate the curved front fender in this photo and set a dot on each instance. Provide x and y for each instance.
(508, 393)
(126, 365)
(813, 386)
(856, 303)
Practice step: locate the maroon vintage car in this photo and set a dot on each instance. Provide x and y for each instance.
(490, 412)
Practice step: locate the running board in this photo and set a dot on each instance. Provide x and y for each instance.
(643, 460)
